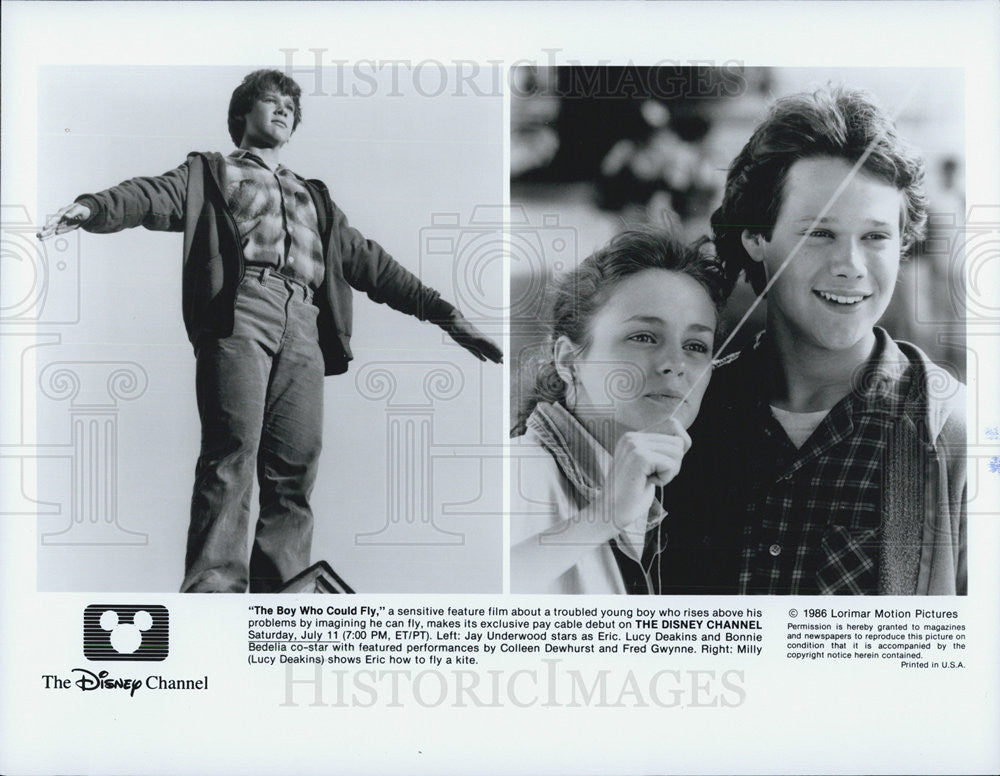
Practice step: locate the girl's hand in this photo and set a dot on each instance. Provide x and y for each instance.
(643, 461)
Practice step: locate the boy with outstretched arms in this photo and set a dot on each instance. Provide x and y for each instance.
(269, 265)
(827, 457)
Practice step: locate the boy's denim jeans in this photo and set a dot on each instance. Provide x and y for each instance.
(260, 398)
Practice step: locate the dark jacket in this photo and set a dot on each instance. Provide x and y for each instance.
(189, 199)
(922, 538)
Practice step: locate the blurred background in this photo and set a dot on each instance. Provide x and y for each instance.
(598, 149)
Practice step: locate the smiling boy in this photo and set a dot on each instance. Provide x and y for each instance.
(269, 267)
(828, 458)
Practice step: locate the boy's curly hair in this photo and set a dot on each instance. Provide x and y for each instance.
(247, 93)
(841, 123)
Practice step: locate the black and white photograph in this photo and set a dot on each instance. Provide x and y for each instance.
(191, 439)
(754, 255)
(621, 373)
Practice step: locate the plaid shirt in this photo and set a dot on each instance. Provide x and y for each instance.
(788, 521)
(275, 216)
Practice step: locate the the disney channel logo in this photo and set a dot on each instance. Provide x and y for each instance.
(88, 680)
(123, 632)
(126, 632)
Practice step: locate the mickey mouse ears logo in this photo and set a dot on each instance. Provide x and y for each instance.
(126, 632)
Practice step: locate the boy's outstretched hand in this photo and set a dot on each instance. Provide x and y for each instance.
(470, 338)
(463, 332)
(66, 220)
